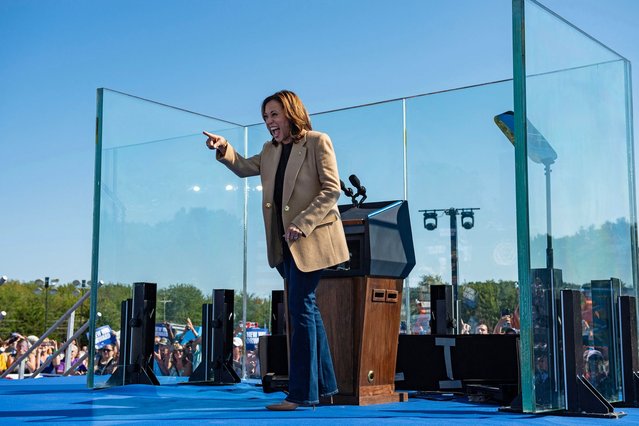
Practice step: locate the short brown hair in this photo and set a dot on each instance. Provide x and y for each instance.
(293, 109)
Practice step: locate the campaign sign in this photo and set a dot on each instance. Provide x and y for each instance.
(161, 331)
(188, 335)
(253, 337)
(104, 337)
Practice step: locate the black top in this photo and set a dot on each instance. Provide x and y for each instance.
(279, 185)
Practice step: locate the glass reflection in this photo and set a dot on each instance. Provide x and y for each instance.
(579, 232)
(165, 216)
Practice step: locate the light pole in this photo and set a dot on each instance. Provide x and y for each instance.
(468, 222)
(81, 287)
(164, 302)
(48, 285)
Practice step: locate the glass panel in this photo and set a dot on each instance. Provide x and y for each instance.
(368, 143)
(451, 165)
(168, 214)
(577, 147)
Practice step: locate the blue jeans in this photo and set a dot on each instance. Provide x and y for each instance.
(311, 373)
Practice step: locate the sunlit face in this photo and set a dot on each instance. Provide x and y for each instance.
(482, 329)
(107, 351)
(276, 121)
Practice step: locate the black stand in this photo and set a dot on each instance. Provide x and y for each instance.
(272, 350)
(442, 321)
(629, 359)
(137, 339)
(216, 367)
(582, 398)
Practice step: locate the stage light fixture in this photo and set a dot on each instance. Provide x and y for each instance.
(468, 219)
(430, 220)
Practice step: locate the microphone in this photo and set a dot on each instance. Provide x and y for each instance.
(347, 191)
(361, 190)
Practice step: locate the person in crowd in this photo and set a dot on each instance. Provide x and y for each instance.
(107, 361)
(3, 356)
(422, 322)
(73, 362)
(304, 233)
(7, 349)
(481, 329)
(596, 370)
(252, 364)
(192, 354)
(162, 358)
(237, 355)
(21, 347)
(192, 351)
(505, 325)
(180, 366)
(170, 332)
(542, 379)
(48, 347)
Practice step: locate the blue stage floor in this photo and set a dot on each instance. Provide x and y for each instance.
(68, 401)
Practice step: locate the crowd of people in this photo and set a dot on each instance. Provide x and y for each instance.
(180, 353)
(177, 352)
(508, 323)
(44, 359)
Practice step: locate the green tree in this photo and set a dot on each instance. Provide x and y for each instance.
(258, 309)
(186, 302)
(484, 300)
(422, 292)
(109, 304)
(24, 308)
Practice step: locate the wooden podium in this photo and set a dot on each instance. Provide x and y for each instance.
(361, 316)
(361, 301)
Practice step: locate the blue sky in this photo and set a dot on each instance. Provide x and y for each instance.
(220, 58)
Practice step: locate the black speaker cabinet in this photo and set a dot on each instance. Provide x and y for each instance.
(278, 313)
(137, 338)
(379, 240)
(442, 310)
(629, 355)
(216, 367)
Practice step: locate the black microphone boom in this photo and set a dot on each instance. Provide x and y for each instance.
(347, 191)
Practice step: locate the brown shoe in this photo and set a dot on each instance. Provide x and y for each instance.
(283, 406)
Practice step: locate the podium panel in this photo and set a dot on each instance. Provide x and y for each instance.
(380, 241)
(361, 316)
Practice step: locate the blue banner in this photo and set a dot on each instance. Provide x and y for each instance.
(253, 337)
(161, 331)
(188, 335)
(104, 336)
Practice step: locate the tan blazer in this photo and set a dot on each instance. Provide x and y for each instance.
(309, 198)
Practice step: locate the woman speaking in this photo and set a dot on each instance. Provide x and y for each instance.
(304, 233)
